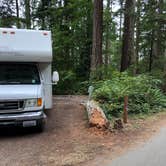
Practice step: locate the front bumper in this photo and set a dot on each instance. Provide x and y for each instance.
(17, 119)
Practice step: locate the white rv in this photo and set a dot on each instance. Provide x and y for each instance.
(25, 77)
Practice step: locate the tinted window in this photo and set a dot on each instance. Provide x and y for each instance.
(19, 74)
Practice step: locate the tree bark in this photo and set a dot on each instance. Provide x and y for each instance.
(107, 40)
(96, 115)
(28, 14)
(151, 52)
(96, 58)
(138, 32)
(17, 14)
(121, 16)
(43, 17)
(128, 51)
(66, 29)
(159, 36)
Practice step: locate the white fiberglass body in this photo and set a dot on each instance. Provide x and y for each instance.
(25, 45)
(12, 92)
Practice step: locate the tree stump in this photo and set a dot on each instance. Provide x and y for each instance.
(118, 124)
(96, 115)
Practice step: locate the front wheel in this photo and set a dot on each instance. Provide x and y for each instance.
(40, 126)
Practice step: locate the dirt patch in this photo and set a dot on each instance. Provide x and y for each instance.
(134, 134)
(68, 141)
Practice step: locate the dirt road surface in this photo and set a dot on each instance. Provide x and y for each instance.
(67, 139)
(150, 154)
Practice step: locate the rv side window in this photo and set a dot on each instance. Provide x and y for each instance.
(19, 74)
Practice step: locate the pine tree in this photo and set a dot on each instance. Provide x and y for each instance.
(128, 52)
(96, 59)
(27, 14)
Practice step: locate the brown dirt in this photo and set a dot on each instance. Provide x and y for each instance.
(134, 134)
(68, 141)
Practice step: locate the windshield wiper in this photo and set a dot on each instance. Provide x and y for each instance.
(2, 82)
(9, 82)
(14, 82)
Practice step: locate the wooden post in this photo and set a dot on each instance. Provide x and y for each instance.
(125, 113)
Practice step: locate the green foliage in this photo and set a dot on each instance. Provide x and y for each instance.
(152, 33)
(143, 92)
(72, 40)
(6, 13)
(71, 24)
(66, 82)
(66, 85)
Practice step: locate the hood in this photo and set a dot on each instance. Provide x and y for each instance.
(10, 92)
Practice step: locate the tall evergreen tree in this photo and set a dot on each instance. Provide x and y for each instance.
(17, 14)
(27, 14)
(108, 20)
(128, 52)
(96, 59)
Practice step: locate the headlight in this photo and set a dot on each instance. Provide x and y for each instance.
(33, 103)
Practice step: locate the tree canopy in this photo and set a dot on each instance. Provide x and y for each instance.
(91, 39)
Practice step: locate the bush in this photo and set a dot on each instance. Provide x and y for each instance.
(143, 92)
(70, 84)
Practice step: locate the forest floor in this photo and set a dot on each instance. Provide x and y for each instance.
(68, 140)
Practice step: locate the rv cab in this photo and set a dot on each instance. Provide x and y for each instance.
(25, 77)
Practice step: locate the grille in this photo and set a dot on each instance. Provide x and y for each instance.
(11, 105)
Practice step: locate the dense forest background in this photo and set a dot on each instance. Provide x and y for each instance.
(94, 38)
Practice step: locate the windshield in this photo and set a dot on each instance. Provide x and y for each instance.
(19, 74)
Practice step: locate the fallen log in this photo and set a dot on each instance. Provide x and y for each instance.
(96, 115)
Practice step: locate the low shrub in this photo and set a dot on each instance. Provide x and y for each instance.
(143, 91)
(69, 84)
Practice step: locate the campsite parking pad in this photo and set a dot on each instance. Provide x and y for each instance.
(66, 141)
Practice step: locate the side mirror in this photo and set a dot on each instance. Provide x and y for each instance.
(55, 76)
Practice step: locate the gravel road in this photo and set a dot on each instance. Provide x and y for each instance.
(59, 145)
(68, 141)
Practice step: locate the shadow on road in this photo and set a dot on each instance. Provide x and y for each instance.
(16, 131)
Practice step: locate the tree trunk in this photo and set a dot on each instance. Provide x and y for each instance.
(128, 52)
(138, 32)
(96, 59)
(96, 116)
(107, 40)
(43, 17)
(17, 14)
(28, 14)
(66, 27)
(151, 52)
(121, 16)
(159, 37)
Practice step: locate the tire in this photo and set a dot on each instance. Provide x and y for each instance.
(40, 126)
